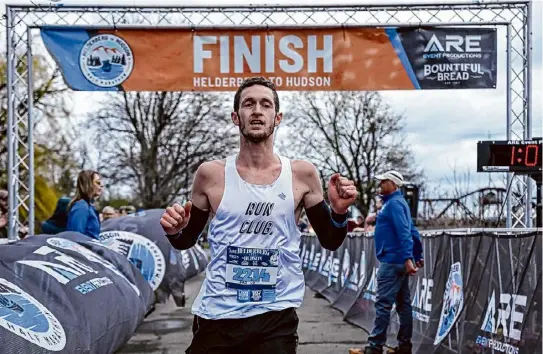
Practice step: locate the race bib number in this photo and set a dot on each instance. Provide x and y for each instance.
(252, 272)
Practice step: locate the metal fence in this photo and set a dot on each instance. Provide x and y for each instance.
(22, 19)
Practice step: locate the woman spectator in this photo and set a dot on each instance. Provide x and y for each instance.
(83, 216)
(58, 221)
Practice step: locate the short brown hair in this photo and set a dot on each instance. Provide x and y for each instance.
(252, 81)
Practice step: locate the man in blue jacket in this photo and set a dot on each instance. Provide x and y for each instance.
(399, 251)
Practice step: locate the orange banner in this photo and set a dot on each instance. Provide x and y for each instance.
(295, 59)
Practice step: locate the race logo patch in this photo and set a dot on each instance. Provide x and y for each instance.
(140, 251)
(91, 256)
(106, 60)
(453, 302)
(24, 316)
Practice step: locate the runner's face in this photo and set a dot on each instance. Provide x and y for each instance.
(256, 115)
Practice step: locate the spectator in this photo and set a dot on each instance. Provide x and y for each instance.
(359, 224)
(58, 221)
(127, 210)
(83, 216)
(369, 223)
(3, 213)
(399, 256)
(351, 224)
(108, 213)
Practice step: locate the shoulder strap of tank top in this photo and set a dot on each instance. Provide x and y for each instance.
(285, 164)
(229, 169)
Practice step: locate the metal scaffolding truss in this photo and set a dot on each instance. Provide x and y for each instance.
(21, 19)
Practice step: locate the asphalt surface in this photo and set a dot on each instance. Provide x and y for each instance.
(321, 330)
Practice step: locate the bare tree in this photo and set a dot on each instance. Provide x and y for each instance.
(49, 108)
(153, 142)
(354, 133)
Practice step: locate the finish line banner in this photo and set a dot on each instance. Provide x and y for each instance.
(477, 293)
(325, 59)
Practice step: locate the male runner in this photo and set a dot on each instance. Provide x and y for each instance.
(254, 280)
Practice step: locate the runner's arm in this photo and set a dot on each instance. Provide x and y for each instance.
(199, 213)
(330, 227)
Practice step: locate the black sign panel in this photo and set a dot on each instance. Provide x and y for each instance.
(509, 156)
(451, 58)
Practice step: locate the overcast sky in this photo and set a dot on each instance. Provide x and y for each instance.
(443, 126)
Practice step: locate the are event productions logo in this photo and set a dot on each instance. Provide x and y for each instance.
(106, 60)
(24, 316)
(140, 251)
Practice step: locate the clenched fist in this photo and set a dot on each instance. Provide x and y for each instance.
(342, 193)
(175, 218)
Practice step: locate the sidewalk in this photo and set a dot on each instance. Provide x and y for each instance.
(321, 329)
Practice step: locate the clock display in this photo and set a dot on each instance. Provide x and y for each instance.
(509, 156)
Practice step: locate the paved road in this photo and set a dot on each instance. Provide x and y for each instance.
(321, 330)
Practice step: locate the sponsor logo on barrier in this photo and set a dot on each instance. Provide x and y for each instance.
(353, 279)
(333, 273)
(453, 302)
(325, 264)
(194, 259)
(67, 269)
(314, 266)
(422, 301)
(106, 60)
(345, 267)
(358, 273)
(305, 256)
(23, 315)
(363, 274)
(502, 318)
(91, 256)
(311, 256)
(185, 258)
(371, 291)
(140, 251)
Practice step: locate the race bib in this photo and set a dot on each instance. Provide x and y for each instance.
(252, 272)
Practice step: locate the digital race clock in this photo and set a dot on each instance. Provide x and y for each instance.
(509, 156)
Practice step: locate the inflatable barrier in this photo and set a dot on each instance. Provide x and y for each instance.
(479, 291)
(140, 238)
(68, 294)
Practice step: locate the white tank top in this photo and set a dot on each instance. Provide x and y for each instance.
(255, 264)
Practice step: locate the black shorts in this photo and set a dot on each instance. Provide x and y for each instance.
(274, 332)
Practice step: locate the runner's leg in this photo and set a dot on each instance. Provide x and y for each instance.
(275, 333)
(217, 336)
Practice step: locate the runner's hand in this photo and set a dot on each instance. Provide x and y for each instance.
(175, 218)
(342, 193)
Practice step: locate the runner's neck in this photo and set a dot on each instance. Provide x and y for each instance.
(256, 156)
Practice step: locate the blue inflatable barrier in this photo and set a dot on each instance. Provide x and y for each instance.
(140, 238)
(66, 293)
